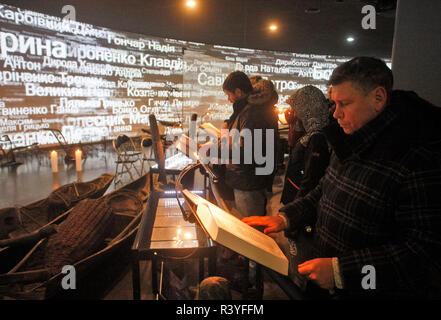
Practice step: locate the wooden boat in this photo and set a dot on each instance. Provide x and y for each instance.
(28, 279)
(16, 221)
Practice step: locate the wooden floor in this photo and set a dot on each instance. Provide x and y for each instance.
(34, 180)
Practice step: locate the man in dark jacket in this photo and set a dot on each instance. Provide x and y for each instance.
(377, 210)
(248, 129)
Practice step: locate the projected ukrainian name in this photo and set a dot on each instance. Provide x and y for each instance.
(92, 83)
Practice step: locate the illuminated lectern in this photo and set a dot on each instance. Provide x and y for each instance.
(165, 235)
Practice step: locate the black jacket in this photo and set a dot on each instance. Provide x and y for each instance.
(253, 116)
(379, 201)
(307, 164)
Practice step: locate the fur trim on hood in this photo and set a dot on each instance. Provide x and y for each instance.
(263, 93)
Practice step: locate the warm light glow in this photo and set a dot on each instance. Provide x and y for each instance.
(273, 27)
(282, 118)
(191, 3)
(78, 158)
(187, 235)
(196, 155)
(54, 161)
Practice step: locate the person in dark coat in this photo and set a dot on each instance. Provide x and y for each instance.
(307, 164)
(253, 113)
(248, 183)
(377, 210)
(272, 114)
(310, 155)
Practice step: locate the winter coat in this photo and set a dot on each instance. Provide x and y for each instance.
(310, 156)
(257, 114)
(379, 202)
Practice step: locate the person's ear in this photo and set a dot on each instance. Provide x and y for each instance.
(238, 92)
(380, 98)
(329, 92)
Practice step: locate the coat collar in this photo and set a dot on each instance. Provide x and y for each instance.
(345, 145)
(408, 120)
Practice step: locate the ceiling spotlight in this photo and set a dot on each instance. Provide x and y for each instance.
(350, 39)
(273, 27)
(191, 3)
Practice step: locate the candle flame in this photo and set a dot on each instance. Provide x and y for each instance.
(282, 118)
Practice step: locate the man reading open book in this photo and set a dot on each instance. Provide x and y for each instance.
(377, 207)
(250, 118)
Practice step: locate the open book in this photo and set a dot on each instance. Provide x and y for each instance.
(236, 235)
(210, 129)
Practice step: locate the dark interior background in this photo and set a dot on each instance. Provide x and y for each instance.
(305, 26)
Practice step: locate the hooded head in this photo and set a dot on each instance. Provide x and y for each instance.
(263, 92)
(311, 108)
(255, 79)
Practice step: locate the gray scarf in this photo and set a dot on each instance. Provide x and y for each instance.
(311, 108)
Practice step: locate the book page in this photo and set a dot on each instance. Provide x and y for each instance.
(224, 220)
(238, 236)
(242, 230)
(243, 239)
(195, 199)
(207, 220)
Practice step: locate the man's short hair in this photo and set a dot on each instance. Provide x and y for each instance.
(237, 80)
(365, 73)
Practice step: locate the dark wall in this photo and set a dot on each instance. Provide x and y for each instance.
(237, 23)
(416, 61)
